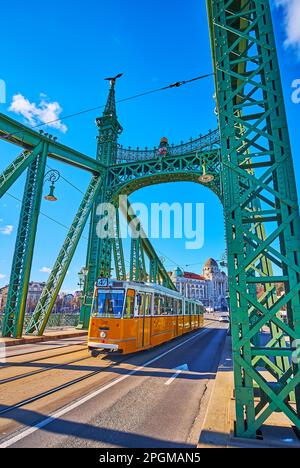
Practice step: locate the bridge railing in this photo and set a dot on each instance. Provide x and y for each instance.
(206, 142)
(55, 320)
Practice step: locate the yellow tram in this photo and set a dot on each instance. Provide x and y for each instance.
(128, 317)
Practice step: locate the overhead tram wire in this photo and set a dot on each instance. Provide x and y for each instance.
(67, 181)
(85, 238)
(85, 111)
(68, 228)
(64, 226)
(45, 215)
(136, 96)
(173, 85)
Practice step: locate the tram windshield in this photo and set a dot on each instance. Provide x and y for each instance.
(110, 303)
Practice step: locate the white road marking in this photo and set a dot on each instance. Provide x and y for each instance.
(68, 409)
(3, 353)
(178, 370)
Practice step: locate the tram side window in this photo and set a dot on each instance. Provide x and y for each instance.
(156, 307)
(148, 304)
(166, 305)
(129, 306)
(163, 305)
(170, 301)
(141, 304)
(179, 309)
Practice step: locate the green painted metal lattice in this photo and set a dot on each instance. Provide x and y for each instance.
(250, 159)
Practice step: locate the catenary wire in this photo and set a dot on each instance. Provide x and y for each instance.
(136, 96)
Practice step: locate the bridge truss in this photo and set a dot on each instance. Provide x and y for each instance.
(250, 160)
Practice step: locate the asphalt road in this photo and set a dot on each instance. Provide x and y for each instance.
(154, 399)
(42, 347)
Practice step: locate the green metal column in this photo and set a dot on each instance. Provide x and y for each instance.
(154, 276)
(118, 250)
(99, 255)
(135, 266)
(16, 168)
(48, 297)
(157, 269)
(23, 254)
(257, 165)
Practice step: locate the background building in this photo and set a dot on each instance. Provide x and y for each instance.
(66, 302)
(211, 288)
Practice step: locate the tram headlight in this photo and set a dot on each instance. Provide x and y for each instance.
(102, 335)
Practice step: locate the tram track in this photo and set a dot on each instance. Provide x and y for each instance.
(7, 363)
(59, 388)
(23, 363)
(40, 371)
(40, 396)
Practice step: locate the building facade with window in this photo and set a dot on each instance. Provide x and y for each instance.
(211, 287)
(65, 302)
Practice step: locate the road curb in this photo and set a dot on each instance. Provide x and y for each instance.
(218, 427)
(59, 335)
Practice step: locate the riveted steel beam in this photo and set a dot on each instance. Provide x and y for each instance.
(47, 300)
(23, 253)
(16, 168)
(20, 135)
(261, 210)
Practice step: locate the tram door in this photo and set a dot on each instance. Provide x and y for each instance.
(144, 320)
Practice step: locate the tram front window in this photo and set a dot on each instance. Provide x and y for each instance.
(110, 303)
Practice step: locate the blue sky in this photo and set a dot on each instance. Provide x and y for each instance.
(63, 51)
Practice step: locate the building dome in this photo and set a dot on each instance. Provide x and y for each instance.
(164, 141)
(210, 263)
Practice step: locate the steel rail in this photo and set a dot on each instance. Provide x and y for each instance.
(45, 350)
(73, 382)
(40, 371)
(57, 389)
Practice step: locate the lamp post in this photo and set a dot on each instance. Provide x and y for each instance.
(82, 277)
(51, 176)
(205, 178)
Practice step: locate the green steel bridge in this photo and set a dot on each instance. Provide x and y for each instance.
(247, 162)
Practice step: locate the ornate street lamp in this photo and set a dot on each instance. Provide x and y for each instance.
(52, 176)
(82, 277)
(206, 178)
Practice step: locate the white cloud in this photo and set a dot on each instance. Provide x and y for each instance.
(6, 230)
(45, 270)
(43, 112)
(2, 276)
(291, 11)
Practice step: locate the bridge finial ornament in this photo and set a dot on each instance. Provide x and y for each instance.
(110, 108)
(114, 79)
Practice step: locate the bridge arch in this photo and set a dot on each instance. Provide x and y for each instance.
(125, 179)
